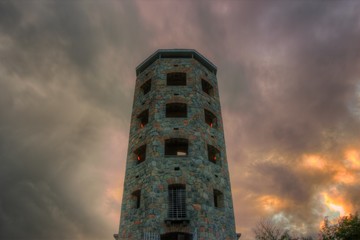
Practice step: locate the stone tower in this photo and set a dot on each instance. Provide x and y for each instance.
(177, 183)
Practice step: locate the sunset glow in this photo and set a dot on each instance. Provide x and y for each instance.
(352, 158)
(288, 79)
(344, 176)
(271, 203)
(114, 194)
(313, 161)
(335, 204)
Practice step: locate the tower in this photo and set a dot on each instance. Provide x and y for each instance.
(177, 184)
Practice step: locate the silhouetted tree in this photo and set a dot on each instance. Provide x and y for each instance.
(266, 229)
(346, 228)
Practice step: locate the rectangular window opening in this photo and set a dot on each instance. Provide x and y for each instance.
(136, 195)
(218, 199)
(143, 118)
(207, 87)
(213, 154)
(210, 119)
(176, 79)
(177, 201)
(176, 110)
(146, 87)
(140, 154)
(176, 147)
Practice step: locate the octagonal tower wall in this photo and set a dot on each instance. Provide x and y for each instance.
(145, 196)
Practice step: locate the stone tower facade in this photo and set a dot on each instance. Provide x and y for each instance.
(177, 182)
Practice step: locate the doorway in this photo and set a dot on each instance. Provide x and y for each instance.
(176, 236)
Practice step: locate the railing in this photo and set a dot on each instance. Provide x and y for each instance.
(156, 236)
(177, 205)
(217, 232)
(195, 236)
(151, 236)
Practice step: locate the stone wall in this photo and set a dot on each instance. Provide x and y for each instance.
(153, 176)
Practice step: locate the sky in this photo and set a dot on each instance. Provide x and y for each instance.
(289, 81)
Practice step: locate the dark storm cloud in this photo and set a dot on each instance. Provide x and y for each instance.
(282, 181)
(287, 73)
(56, 100)
(310, 74)
(75, 34)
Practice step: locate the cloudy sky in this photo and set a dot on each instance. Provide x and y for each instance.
(289, 79)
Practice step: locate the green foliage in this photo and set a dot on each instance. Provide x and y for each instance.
(346, 228)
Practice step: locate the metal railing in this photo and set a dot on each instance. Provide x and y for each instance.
(151, 236)
(177, 204)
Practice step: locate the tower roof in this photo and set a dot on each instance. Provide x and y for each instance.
(176, 53)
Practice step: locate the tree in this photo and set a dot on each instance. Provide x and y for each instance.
(266, 229)
(346, 228)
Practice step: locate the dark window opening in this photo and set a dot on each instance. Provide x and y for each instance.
(176, 79)
(176, 236)
(146, 87)
(176, 147)
(177, 201)
(140, 154)
(218, 199)
(207, 87)
(136, 195)
(143, 118)
(213, 154)
(176, 110)
(210, 119)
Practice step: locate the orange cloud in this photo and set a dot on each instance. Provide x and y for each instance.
(114, 194)
(313, 161)
(334, 203)
(352, 159)
(344, 176)
(271, 203)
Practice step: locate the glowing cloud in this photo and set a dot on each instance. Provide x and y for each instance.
(271, 203)
(313, 161)
(352, 159)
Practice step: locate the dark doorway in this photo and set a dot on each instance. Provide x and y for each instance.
(176, 236)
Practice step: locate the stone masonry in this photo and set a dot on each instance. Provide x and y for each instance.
(196, 164)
